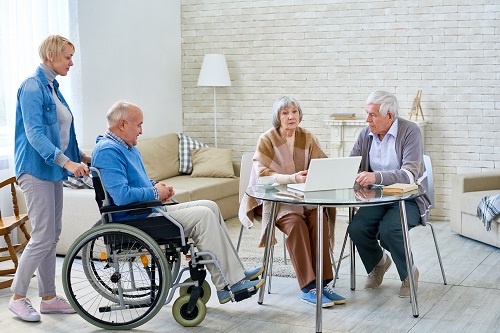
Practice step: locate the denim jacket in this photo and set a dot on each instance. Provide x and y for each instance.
(37, 136)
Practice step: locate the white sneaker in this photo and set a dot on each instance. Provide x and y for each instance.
(56, 305)
(23, 309)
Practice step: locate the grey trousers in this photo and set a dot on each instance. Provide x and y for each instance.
(203, 223)
(44, 201)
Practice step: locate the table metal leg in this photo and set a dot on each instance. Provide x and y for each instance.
(319, 269)
(409, 258)
(353, 253)
(267, 250)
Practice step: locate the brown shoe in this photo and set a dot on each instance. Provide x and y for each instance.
(374, 279)
(404, 291)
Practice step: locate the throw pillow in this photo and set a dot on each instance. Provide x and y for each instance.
(185, 145)
(212, 162)
(160, 156)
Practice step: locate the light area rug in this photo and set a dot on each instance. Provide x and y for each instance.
(251, 255)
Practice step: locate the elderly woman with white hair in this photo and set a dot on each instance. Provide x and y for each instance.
(285, 151)
(392, 152)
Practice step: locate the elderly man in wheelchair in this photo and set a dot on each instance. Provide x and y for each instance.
(118, 274)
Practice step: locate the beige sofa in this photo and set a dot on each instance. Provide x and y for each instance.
(161, 159)
(467, 192)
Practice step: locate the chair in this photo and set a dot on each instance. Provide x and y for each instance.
(430, 181)
(245, 171)
(7, 225)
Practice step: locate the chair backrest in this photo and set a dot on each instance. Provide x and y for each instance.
(430, 178)
(11, 181)
(245, 171)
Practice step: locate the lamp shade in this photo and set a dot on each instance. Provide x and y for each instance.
(214, 71)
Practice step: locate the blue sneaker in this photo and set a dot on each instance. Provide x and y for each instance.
(331, 295)
(310, 298)
(254, 272)
(251, 286)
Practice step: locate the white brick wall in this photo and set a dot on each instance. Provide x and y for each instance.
(330, 55)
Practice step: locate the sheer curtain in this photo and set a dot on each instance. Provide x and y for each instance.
(23, 25)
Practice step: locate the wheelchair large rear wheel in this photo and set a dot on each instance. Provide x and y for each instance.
(116, 276)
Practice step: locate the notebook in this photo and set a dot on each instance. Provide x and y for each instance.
(329, 174)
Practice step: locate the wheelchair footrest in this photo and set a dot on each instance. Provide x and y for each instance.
(244, 294)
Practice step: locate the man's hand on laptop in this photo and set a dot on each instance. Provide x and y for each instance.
(365, 178)
(300, 177)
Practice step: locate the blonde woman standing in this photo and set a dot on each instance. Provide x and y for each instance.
(45, 152)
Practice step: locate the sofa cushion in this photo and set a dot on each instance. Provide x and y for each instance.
(212, 162)
(185, 145)
(470, 200)
(160, 156)
(203, 187)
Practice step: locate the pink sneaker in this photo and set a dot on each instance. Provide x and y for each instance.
(56, 305)
(23, 309)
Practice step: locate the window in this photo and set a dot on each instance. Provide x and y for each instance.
(23, 25)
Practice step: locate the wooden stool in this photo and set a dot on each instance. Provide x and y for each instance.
(7, 225)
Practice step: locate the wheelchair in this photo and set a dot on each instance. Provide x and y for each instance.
(118, 275)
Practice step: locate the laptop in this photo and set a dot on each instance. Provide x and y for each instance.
(329, 174)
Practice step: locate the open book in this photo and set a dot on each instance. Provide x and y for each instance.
(399, 188)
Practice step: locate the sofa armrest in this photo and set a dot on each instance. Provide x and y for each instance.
(480, 181)
(237, 167)
(469, 182)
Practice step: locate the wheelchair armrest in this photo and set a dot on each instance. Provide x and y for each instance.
(134, 208)
(171, 202)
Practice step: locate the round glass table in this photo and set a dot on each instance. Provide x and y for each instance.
(348, 197)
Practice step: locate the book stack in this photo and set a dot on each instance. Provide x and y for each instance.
(399, 189)
(343, 116)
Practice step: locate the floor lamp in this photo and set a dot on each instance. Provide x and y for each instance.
(214, 73)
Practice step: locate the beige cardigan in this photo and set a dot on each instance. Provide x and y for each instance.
(273, 152)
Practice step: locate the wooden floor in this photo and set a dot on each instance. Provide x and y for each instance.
(469, 303)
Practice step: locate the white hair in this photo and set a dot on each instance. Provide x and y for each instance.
(119, 110)
(388, 102)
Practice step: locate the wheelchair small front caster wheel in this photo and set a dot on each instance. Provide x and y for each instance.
(179, 311)
(206, 292)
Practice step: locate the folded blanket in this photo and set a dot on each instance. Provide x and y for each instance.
(78, 183)
(488, 208)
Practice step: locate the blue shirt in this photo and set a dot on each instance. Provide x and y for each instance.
(37, 136)
(122, 173)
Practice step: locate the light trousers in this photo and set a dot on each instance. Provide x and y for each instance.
(301, 242)
(203, 223)
(44, 202)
